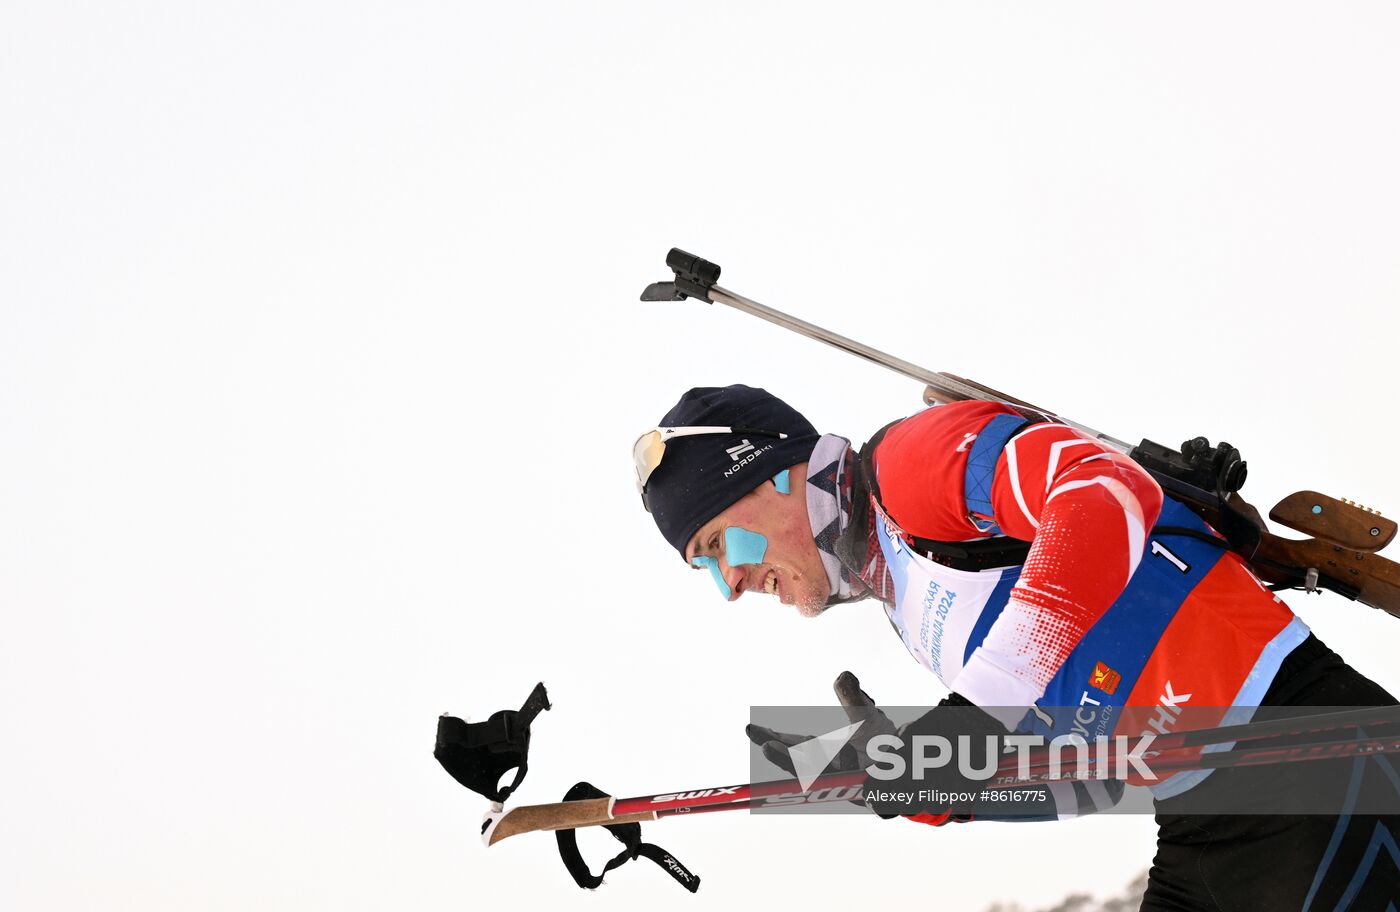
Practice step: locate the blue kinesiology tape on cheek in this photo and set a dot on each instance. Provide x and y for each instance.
(744, 547)
(782, 482)
(713, 566)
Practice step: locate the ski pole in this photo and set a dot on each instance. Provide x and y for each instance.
(1287, 753)
(838, 788)
(500, 824)
(1369, 718)
(846, 786)
(1182, 759)
(850, 786)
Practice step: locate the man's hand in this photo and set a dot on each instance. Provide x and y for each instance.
(943, 794)
(859, 708)
(960, 737)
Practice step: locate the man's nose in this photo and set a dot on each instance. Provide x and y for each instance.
(734, 578)
(729, 580)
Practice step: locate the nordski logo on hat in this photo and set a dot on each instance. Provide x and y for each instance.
(736, 451)
(741, 461)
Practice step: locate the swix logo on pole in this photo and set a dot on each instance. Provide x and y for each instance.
(817, 796)
(736, 451)
(688, 796)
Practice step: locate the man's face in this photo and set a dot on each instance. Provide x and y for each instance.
(792, 567)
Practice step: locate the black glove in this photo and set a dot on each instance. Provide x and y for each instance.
(859, 708)
(975, 741)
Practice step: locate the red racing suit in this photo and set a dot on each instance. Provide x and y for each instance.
(1113, 624)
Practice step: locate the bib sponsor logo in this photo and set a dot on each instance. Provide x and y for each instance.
(1168, 709)
(1104, 678)
(1092, 719)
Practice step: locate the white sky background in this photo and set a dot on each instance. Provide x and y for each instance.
(321, 357)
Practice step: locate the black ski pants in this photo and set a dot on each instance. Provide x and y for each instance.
(1284, 862)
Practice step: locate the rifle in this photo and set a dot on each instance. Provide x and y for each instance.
(1340, 556)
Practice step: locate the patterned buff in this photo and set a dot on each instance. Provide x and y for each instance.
(829, 509)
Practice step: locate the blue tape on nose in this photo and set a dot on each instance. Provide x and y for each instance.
(743, 547)
(713, 564)
(782, 482)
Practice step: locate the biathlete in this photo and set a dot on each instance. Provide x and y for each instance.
(1051, 587)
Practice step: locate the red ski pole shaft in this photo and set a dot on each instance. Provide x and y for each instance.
(720, 796)
(1169, 754)
(1366, 719)
(824, 793)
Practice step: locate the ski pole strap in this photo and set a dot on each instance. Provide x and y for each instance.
(477, 754)
(630, 835)
(982, 459)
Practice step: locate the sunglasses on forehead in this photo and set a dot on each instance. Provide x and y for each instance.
(649, 449)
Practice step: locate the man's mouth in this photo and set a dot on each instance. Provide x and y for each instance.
(770, 582)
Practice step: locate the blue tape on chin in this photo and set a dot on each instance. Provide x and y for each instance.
(713, 566)
(782, 482)
(744, 547)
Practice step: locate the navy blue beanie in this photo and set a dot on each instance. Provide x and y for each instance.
(700, 476)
